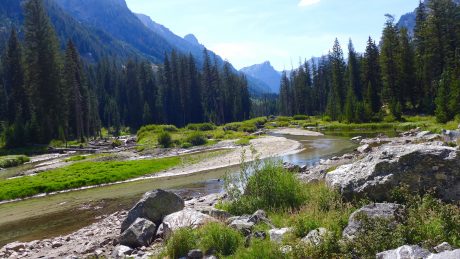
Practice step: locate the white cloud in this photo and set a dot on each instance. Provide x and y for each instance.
(304, 3)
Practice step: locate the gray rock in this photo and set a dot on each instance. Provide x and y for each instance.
(121, 251)
(278, 234)
(419, 166)
(446, 255)
(366, 148)
(154, 206)
(356, 139)
(260, 235)
(15, 246)
(195, 254)
(443, 247)
(140, 233)
(219, 214)
(258, 216)
(181, 219)
(243, 225)
(405, 252)
(56, 244)
(390, 211)
(315, 237)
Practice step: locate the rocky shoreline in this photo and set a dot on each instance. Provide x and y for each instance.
(421, 160)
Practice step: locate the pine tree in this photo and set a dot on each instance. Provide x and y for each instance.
(338, 91)
(371, 76)
(408, 93)
(442, 99)
(43, 70)
(285, 97)
(353, 70)
(389, 63)
(75, 92)
(17, 99)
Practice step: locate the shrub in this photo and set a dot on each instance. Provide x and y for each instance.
(165, 139)
(300, 117)
(197, 139)
(220, 238)
(116, 143)
(201, 126)
(186, 145)
(375, 235)
(235, 126)
(12, 161)
(283, 118)
(75, 158)
(181, 242)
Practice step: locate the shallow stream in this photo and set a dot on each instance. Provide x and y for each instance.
(61, 214)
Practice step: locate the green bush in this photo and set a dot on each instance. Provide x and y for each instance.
(271, 187)
(220, 238)
(235, 126)
(12, 161)
(116, 143)
(165, 139)
(186, 145)
(181, 242)
(201, 126)
(283, 118)
(328, 248)
(197, 139)
(243, 142)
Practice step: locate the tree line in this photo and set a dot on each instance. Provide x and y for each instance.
(407, 73)
(48, 94)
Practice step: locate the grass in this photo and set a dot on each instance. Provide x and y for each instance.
(181, 242)
(80, 175)
(12, 161)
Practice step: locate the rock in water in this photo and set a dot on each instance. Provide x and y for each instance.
(139, 234)
(389, 211)
(419, 166)
(154, 206)
(181, 219)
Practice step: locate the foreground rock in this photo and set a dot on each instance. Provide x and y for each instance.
(139, 234)
(184, 218)
(392, 212)
(278, 234)
(409, 252)
(154, 206)
(419, 166)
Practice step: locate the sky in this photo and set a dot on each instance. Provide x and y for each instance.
(247, 32)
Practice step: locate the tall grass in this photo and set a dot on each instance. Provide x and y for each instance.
(220, 238)
(12, 161)
(181, 242)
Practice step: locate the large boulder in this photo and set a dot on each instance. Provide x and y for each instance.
(405, 252)
(154, 206)
(139, 234)
(182, 219)
(419, 166)
(412, 252)
(392, 212)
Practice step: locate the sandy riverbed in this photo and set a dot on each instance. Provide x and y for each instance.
(297, 132)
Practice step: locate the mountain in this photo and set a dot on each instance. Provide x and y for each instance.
(108, 28)
(265, 73)
(191, 39)
(91, 42)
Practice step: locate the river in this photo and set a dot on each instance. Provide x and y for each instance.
(61, 214)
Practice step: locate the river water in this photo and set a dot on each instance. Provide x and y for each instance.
(65, 213)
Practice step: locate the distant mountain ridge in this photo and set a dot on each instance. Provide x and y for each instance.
(108, 28)
(265, 73)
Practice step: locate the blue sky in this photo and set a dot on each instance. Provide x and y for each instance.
(248, 32)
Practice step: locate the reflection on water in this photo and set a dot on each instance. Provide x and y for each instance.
(118, 197)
